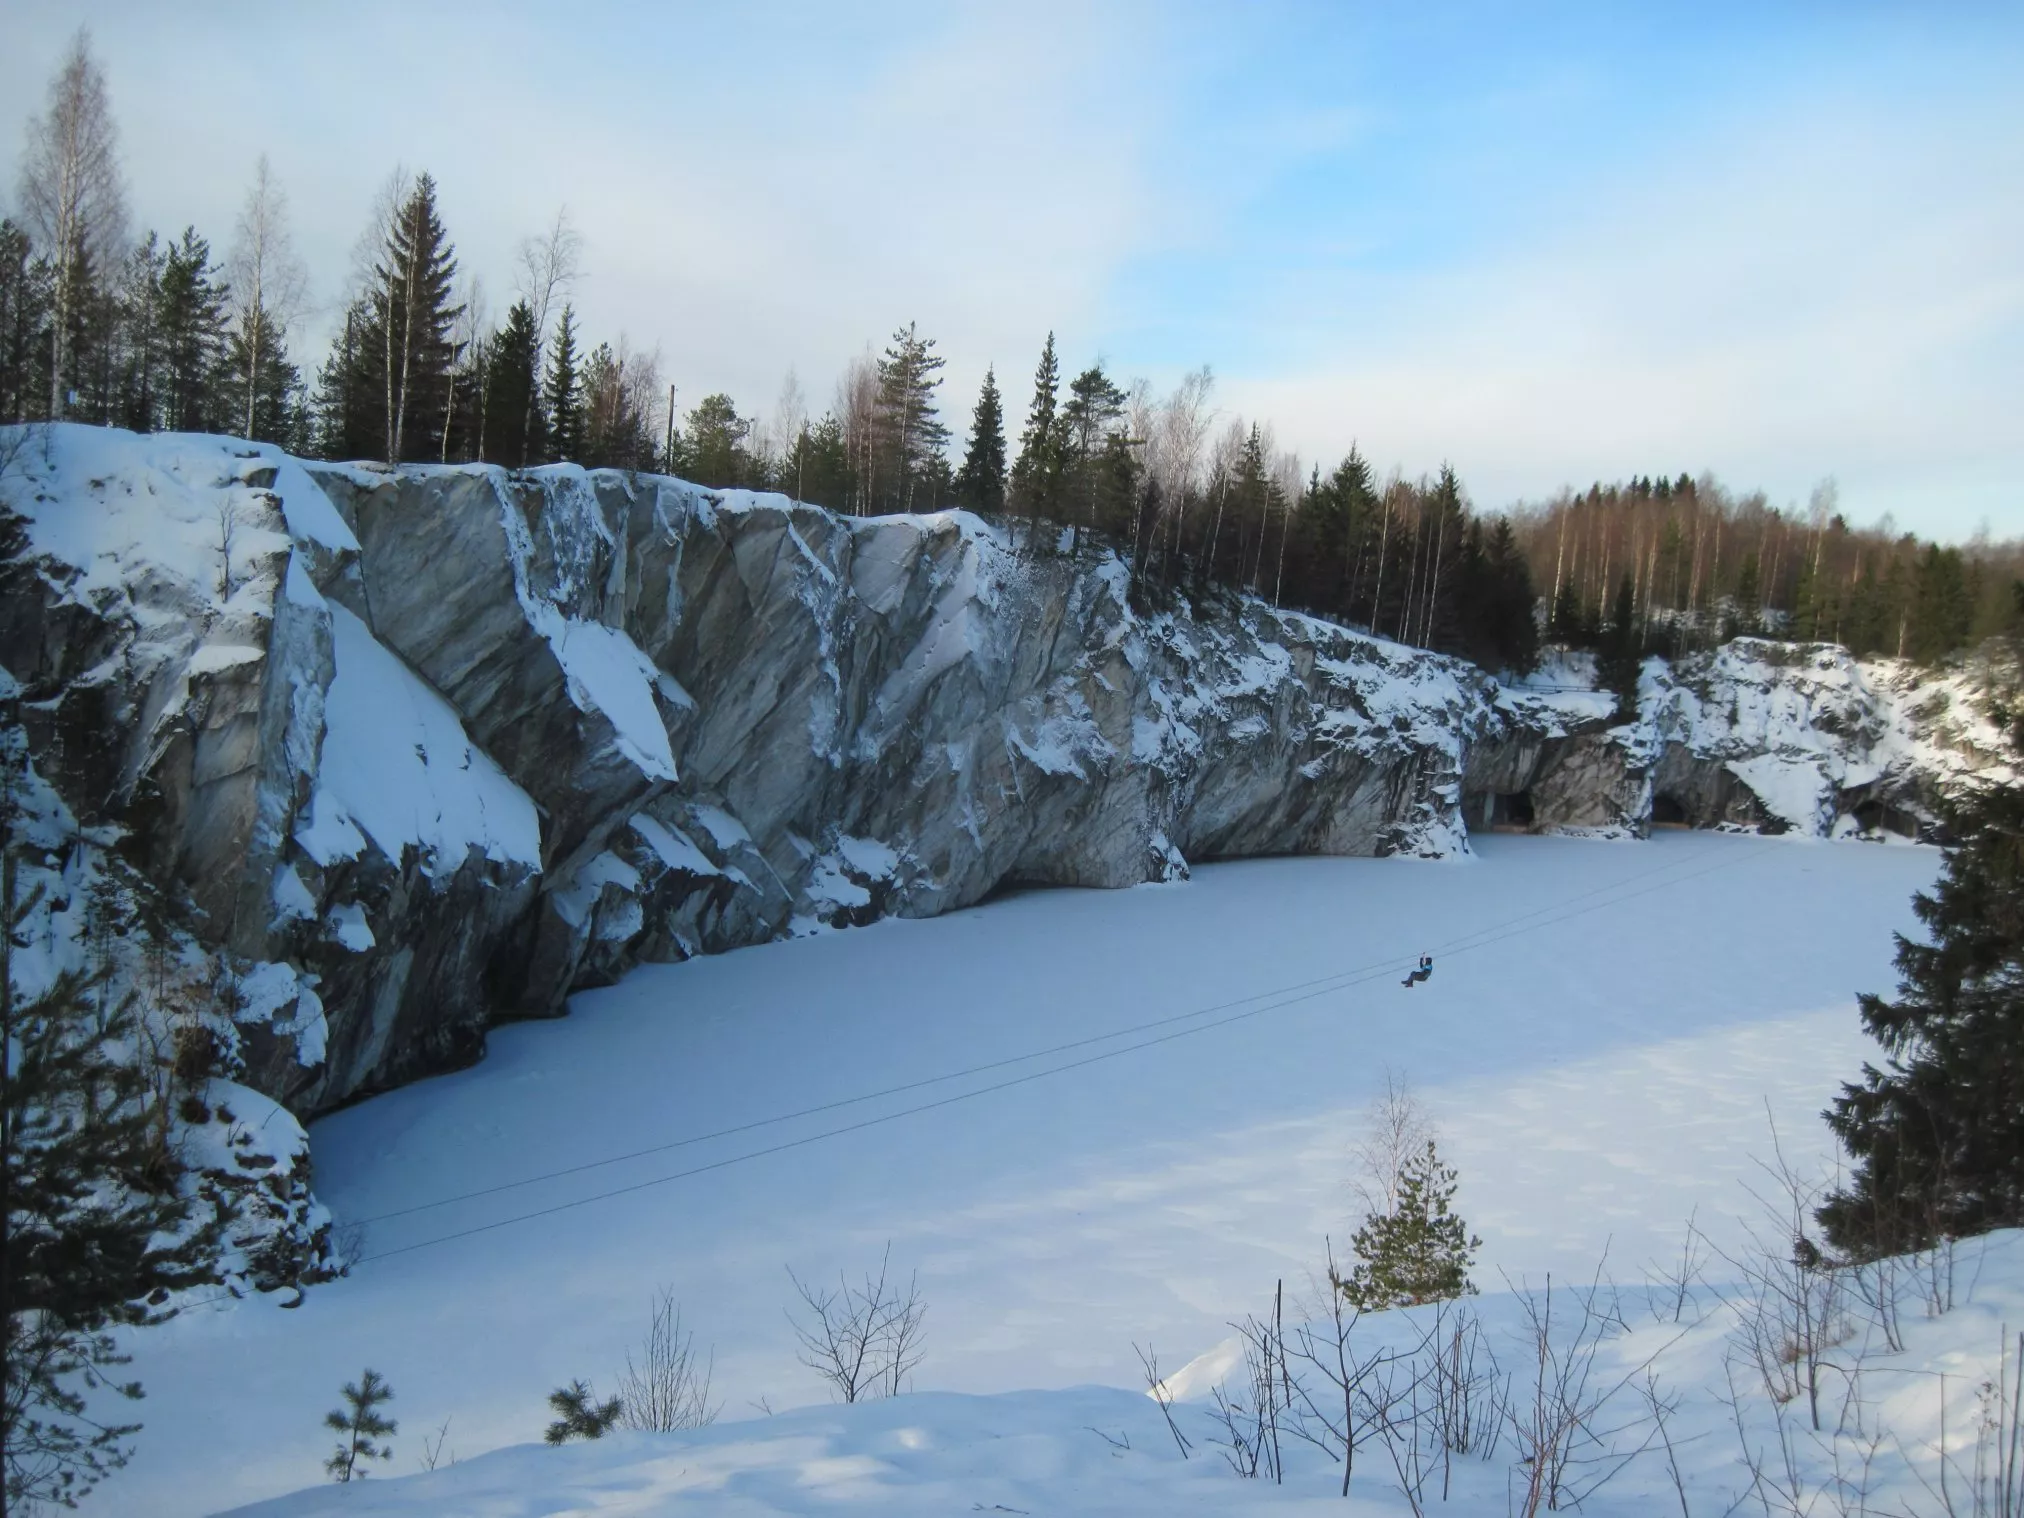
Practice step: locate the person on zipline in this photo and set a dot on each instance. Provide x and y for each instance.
(1422, 971)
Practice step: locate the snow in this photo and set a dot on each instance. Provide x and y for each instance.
(215, 658)
(279, 995)
(726, 831)
(607, 673)
(291, 897)
(1096, 1450)
(148, 506)
(310, 515)
(672, 847)
(349, 927)
(869, 857)
(574, 900)
(1597, 1073)
(398, 767)
(1792, 789)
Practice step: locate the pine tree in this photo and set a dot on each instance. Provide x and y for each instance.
(1938, 1131)
(607, 430)
(564, 397)
(980, 483)
(1094, 406)
(1036, 476)
(716, 443)
(362, 1424)
(1418, 1252)
(580, 1416)
(616, 432)
(823, 467)
(911, 433)
(94, 1227)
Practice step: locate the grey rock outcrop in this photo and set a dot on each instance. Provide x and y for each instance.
(441, 745)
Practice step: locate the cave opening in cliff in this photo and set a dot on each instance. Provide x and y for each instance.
(1668, 812)
(1875, 817)
(1511, 814)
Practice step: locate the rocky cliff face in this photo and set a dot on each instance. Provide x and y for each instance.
(424, 749)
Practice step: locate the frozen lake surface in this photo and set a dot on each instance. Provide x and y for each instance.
(1604, 1029)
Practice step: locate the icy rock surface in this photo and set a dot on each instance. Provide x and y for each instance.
(449, 743)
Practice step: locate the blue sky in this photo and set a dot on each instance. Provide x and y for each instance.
(1781, 243)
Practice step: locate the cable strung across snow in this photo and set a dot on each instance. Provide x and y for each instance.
(1287, 996)
(1339, 978)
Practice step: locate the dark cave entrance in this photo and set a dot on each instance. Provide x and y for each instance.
(1667, 812)
(1876, 817)
(1508, 814)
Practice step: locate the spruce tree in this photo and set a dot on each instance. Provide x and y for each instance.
(258, 349)
(348, 403)
(361, 1424)
(515, 427)
(192, 334)
(1938, 1130)
(980, 483)
(1620, 658)
(24, 308)
(1510, 632)
(138, 403)
(407, 347)
(1036, 475)
(564, 395)
(1942, 609)
(1749, 596)
(1418, 1252)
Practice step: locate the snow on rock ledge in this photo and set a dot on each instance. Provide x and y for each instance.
(452, 742)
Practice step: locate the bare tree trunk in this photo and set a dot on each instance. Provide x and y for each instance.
(71, 196)
(548, 266)
(1383, 543)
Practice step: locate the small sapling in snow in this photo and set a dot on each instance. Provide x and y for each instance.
(581, 1416)
(362, 1424)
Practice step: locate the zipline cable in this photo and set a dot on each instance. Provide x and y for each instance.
(1020, 1080)
(1328, 981)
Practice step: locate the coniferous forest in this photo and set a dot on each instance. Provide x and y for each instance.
(152, 330)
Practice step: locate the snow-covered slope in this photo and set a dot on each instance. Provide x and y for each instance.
(450, 743)
(1108, 1451)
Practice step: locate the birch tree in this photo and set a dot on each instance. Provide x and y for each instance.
(71, 194)
(549, 265)
(267, 280)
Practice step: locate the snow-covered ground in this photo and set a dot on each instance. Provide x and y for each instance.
(1604, 1030)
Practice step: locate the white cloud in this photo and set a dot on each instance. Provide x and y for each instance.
(1820, 292)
